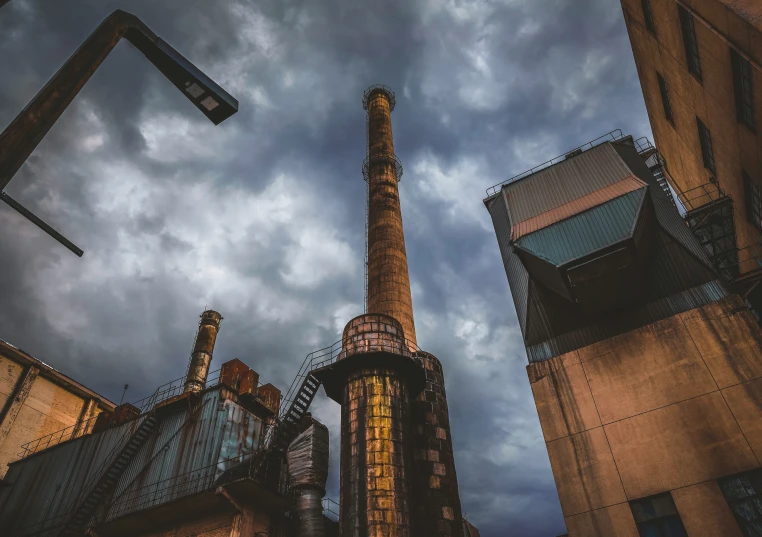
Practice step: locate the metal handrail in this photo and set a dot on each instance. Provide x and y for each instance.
(741, 261)
(144, 405)
(612, 136)
(700, 196)
(330, 506)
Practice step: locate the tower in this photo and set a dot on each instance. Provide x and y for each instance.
(388, 280)
(397, 470)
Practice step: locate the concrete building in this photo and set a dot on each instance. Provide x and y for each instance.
(699, 64)
(644, 363)
(39, 404)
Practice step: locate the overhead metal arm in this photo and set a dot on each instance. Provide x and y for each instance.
(22, 136)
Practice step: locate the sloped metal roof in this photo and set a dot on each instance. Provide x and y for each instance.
(586, 232)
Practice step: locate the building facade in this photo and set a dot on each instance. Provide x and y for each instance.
(645, 366)
(38, 403)
(699, 66)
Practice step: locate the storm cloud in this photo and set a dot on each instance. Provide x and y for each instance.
(261, 218)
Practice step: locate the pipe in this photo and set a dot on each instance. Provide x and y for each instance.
(308, 467)
(201, 358)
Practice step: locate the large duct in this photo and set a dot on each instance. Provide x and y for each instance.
(308, 466)
(388, 280)
(201, 358)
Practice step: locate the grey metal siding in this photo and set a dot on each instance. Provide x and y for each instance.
(564, 182)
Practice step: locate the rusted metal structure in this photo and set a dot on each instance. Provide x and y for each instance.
(203, 347)
(28, 129)
(388, 281)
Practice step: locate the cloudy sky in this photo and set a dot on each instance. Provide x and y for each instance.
(261, 218)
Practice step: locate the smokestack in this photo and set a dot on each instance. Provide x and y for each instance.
(201, 357)
(388, 281)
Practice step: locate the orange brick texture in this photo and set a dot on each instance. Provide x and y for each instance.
(388, 279)
(669, 407)
(376, 449)
(435, 484)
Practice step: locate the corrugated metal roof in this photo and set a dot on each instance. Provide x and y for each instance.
(626, 185)
(587, 232)
(564, 182)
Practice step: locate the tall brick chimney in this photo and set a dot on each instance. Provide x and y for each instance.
(201, 357)
(388, 280)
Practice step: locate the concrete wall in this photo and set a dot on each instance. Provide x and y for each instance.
(671, 407)
(36, 400)
(736, 148)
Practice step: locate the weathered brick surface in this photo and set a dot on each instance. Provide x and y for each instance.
(437, 502)
(388, 279)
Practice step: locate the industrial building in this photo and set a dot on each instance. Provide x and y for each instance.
(37, 401)
(221, 454)
(699, 64)
(644, 362)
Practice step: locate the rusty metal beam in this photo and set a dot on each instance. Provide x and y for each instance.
(27, 130)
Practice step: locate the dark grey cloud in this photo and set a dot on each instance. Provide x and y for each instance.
(262, 217)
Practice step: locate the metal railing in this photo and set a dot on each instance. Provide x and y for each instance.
(743, 263)
(164, 392)
(701, 196)
(330, 354)
(330, 507)
(612, 136)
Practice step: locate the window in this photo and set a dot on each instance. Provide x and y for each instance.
(753, 201)
(742, 493)
(705, 138)
(657, 517)
(742, 83)
(689, 40)
(665, 98)
(648, 16)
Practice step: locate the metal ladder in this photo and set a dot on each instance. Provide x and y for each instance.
(106, 482)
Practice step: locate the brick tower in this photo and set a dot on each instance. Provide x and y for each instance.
(397, 470)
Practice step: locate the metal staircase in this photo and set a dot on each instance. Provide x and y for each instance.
(287, 427)
(106, 481)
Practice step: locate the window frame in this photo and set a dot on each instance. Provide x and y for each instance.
(690, 42)
(753, 194)
(755, 478)
(743, 86)
(665, 100)
(648, 16)
(647, 517)
(707, 150)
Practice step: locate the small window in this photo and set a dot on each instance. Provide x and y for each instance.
(753, 201)
(648, 16)
(690, 42)
(705, 138)
(657, 516)
(742, 83)
(665, 98)
(742, 493)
